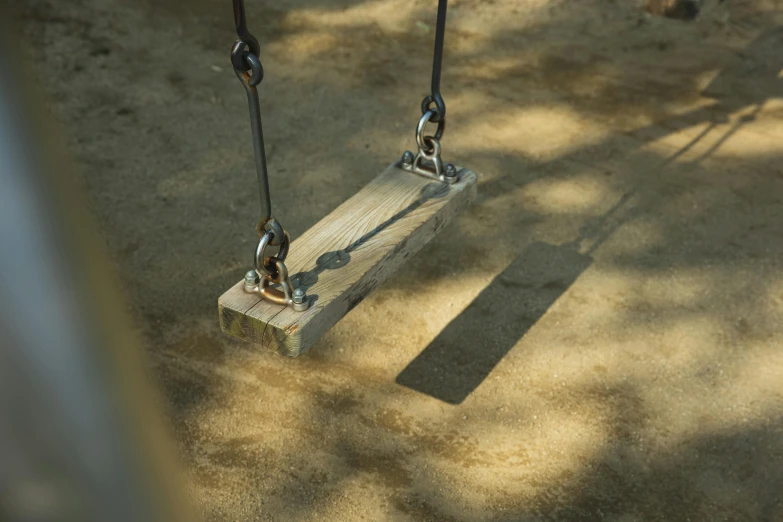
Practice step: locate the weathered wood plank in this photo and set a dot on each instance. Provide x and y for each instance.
(346, 255)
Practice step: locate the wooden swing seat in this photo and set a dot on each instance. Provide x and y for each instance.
(346, 255)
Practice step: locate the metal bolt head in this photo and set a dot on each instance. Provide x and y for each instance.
(407, 158)
(251, 281)
(299, 300)
(451, 170)
(251, 278)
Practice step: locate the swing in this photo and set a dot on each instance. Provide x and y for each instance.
(286, 302)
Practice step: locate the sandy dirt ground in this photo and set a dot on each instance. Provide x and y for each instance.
(597, 338)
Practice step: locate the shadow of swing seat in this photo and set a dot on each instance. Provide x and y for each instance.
(458, 360)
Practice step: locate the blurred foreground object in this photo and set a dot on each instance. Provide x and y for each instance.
(80, 439)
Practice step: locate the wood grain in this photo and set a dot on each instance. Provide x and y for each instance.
(346, 255)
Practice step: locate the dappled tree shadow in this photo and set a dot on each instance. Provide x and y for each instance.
(171, 182)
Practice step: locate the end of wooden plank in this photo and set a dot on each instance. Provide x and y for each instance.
(346, 255)
(249, 328)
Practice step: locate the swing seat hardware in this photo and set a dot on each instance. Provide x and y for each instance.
(284, 296)
(429, 166)
(272, 270)
(427, 161)
(262, 262)
(342, 258)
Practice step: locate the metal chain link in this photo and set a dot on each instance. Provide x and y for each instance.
(248, 68)
(439, 109)
(251, 44)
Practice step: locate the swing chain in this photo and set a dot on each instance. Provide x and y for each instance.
(247, 67)
(427, 162)
(435, 97)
